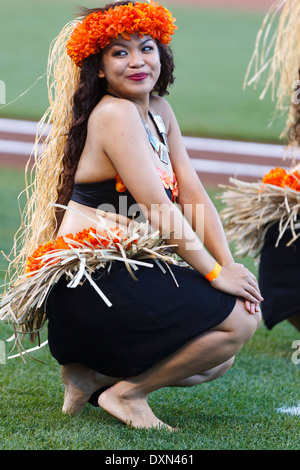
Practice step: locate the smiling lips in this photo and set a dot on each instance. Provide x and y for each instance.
(138, 76)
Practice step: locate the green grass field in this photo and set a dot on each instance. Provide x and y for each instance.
(235, 412)
(212, 50)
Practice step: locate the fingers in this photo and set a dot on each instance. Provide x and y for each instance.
(238, 280)
(252, 308)
(251, 294)
(251, 287)
(254, 292)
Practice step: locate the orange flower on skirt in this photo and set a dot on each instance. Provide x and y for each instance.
(275, 177)
(280, 177)
(89, 238)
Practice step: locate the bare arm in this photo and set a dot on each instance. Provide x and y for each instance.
(129, 151)
(194, 200)
(198, 208)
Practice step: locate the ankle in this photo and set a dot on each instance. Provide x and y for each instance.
(127, 390)
(77, 374)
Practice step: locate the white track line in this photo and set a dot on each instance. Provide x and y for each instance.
(18, 126)
(191, 143)
(234, 147)
(230, 168)
(228, 147)
(10, 147)
(15, 147)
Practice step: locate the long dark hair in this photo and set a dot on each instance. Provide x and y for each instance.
(90, 90)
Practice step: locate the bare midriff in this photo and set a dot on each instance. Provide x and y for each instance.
(80, 217)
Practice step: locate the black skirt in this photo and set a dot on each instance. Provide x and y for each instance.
(279, 274)
(149, 319)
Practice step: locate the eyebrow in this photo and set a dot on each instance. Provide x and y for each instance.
(121, 44)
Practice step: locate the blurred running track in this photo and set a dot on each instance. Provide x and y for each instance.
(214, 160)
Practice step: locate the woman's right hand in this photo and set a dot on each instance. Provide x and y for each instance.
(237, 280)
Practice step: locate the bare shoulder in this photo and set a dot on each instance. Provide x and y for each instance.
(162, 107)
(111, 112)
(159, 103)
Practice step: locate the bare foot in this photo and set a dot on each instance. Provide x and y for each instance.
(135, 412)
(80, 383)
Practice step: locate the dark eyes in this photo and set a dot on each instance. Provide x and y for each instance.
(148, 48)
(121, 52)
(118, 53)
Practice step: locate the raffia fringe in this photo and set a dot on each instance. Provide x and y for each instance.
(24, 303)
(252, 208)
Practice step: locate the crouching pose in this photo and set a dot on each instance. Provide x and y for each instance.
(122, 161)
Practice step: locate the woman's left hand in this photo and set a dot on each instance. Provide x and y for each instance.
(252, 307)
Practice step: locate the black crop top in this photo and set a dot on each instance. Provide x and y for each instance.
(103, 195)
(113, 196)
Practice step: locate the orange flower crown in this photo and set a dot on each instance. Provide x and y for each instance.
(98, 29)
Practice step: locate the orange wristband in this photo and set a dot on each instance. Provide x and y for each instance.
(214, 273)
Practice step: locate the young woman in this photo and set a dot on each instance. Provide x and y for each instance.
(124, 145)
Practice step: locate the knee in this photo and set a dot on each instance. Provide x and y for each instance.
(217, 371)
(226, 366)
(246, 324)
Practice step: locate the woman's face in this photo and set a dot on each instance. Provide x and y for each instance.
(131, 68)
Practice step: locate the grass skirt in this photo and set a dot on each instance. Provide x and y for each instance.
(263, 222)
(117, 302)
(252, 208)
(75, 258)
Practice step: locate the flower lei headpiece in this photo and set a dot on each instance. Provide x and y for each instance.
(98, 29)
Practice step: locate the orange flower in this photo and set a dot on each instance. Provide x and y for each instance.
(86, 237)
(120, 186)
(175, 190)
(120, 234)
(35, 261)
(61, 244)
(291, 181)
(280, 177)
(165, 178)
(275, 177)
(98, 29)
(104, 240)
(169, 183)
